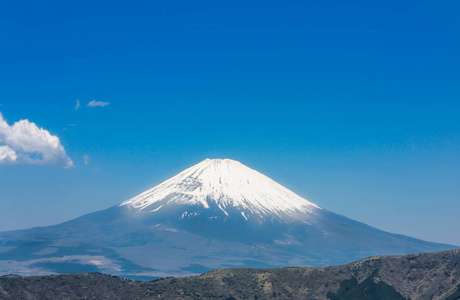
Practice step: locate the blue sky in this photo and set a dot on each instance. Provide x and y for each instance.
(352, 105)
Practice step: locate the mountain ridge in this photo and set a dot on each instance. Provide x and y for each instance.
(427, 276)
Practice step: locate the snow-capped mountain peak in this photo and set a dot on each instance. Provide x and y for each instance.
(226, 183)
(216, 214)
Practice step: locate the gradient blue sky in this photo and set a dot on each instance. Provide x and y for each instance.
(353, 105)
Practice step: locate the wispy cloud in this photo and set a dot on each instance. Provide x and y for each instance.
(95, 103)
(86, 159)
(77, 105)
(25, 143)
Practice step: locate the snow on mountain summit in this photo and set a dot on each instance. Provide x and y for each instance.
(227, 183)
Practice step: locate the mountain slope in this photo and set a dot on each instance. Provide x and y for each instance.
(218, 213)
(428, 276)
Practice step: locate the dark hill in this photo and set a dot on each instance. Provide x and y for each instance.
(416, 277)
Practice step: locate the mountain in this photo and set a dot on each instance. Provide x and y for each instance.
(216, 214)
(427, 276)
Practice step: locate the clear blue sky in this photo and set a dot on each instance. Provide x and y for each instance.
(354, 105)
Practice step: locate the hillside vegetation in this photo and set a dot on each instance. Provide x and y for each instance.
(416, 277)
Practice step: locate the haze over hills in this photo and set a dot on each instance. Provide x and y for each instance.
(426, 276)
(218, 213)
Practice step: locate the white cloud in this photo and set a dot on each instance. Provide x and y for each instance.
(7, 155)
(24, 142)
(77, 105)
(95, 103)
(86, 159)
